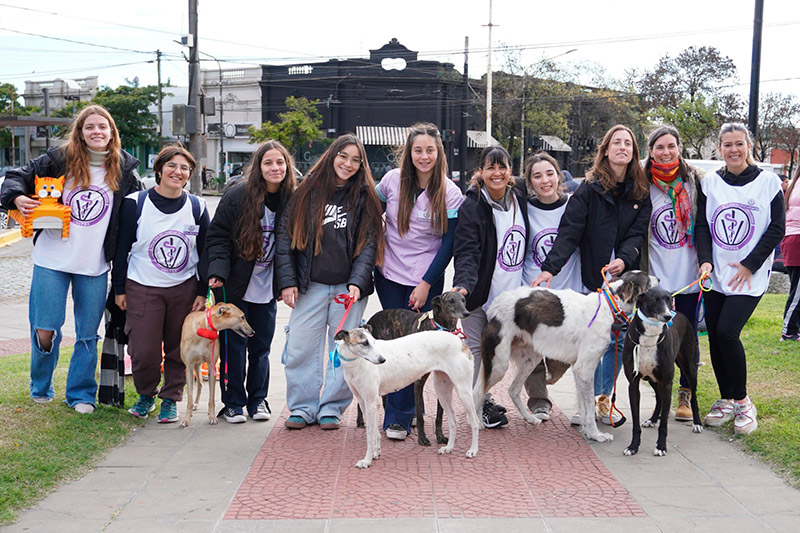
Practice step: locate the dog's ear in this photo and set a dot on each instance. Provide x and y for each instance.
(342, 335)
(222, 309)
(436, 302)
(639, 301)
(367, 327)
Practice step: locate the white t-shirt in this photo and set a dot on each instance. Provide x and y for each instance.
(259, 290)
(672, 260)
(543, 230)
(82, 253)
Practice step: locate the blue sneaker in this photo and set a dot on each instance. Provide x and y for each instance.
(295, 422)
(143, 406)
(168, 413)
(329, 422)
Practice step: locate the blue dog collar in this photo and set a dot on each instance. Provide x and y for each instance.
(651, 322)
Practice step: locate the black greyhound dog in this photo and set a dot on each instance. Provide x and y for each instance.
(657, 340)
(390, 324)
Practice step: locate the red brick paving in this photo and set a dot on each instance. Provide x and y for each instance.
(520, 472)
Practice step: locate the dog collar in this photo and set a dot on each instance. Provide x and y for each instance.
(651, 322)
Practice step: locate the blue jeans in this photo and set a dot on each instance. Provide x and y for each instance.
(604, 375)
(248, 356)
(309, 339)
(47, 309)
(400, 406)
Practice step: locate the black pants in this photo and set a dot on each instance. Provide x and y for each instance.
(725, 318)
(791, 315)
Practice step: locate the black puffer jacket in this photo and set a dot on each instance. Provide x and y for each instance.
(20, 181)
(598, 224)
(475, 246)
(221, 257)
(293, 267)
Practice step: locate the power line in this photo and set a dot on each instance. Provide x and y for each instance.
(77, 42)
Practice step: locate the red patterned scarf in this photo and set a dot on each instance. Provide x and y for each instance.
(665, 177)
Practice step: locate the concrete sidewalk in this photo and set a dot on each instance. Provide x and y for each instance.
(262, 477)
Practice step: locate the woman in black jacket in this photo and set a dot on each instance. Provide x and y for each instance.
(98, 174)
(329, 241)
(241, 252)
(607, 218)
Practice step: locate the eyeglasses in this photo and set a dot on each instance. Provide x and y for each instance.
(356, 160)
(185, 169)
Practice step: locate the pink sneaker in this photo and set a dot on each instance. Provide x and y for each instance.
(721, 411)
(745, 420)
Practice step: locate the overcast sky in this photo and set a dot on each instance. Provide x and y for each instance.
(614, 36)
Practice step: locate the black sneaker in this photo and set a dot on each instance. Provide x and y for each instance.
(492, 418)
(233, 415)
(500, 409)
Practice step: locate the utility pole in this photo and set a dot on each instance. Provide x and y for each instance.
(489, 82)
(755, 70)
(194, 92)
(160, 101)
(462, 145)
(46, 93)
(13, 133)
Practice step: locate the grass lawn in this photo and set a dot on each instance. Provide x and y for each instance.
(42, 446)
(773, 383)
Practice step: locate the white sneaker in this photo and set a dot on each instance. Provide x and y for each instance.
(615, 419)
(263, 411)
(84, 408)
(745, 419)
(575, 420)
(396, 432)
(41, 399)
(721, 411)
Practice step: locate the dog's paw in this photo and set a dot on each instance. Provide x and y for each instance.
(532, 420)
(376, 454)
(630, 451)
(194, 408)
(659, 453)
(445, 449)
(471, 453)
(697, 428)
(441, 439)
(184, 423)
(648, 424)
(363, 463)
(212, 420)
(423, 440)
(602, 437)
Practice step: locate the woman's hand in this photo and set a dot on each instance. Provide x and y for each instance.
(615, 267)
(214, 282)
(199, 303)
(122, 301)
(25, 204)
(289, 296)
(419, 295)
(705, 269)
(741, 277)
(355, 293)
(544, 277)
(462, 290)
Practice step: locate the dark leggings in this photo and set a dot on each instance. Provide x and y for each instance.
(725, 318)
(686, 304)
(791, 314)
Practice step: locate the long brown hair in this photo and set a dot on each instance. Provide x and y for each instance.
(308, 202)
(601, 169)
(539, 157)
(77, 153)
(791, 188)
(249, 241)
(435, 189)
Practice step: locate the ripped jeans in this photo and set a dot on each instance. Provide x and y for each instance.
(47, 309)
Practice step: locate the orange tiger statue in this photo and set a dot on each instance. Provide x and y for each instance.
(50, 214)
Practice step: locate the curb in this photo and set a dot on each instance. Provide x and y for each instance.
(10, 237)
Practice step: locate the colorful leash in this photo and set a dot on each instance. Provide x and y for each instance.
(703, 288)
(617, 328)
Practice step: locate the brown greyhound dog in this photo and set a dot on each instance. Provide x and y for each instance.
(199, 344)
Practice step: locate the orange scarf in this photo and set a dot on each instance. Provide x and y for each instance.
(665, 177)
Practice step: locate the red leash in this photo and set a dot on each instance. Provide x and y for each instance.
(211, 334)
(347, 301)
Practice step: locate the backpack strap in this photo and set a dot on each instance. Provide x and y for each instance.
(196, 208)
(140, 198)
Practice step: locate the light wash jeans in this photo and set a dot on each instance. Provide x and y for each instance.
(309, 339)
(47, 309)
(604, 376)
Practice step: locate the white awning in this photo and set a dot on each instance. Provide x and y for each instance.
(478, 139)
(551, 143)
(382, 135)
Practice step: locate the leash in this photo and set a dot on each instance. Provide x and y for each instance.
(209, 332)
(620, 325)
(335, 357)
(617, 333)
(649, 322)
(429, 316)
(700, 310)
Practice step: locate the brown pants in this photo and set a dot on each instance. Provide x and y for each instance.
(536, 384)
(155, 315)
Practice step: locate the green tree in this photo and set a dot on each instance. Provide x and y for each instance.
(695, 119)
(299, 125)
(129, 105)
(6, 90)
(778, 114)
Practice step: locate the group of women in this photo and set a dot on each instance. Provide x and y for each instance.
(324, 245)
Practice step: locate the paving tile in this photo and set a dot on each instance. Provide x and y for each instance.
(481, 525)
(766, 500)
(278, 526)
(728, 524)
(73, 505)
(571, 525)
(160, 526)
(199, 504)
(419, 525)
(36, 521)
(660, 502)
(104, 478)
(783, 522)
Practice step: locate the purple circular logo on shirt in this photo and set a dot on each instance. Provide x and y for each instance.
(542, 244)
(87, 206)
(733, 225)
(512, 250)
(169, 251)
(268, 246)
(664, 228)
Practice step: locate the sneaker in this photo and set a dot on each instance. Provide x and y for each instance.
(143, 406)
(492, 418)
(543, 413)
(168, 412)
(295, 422)
(684, 410)
(262, 412)
(499, 408)
(785, 337)
(721, 411)
(329, 422)
(233, 415)
(616, 418)
(41, 399)
(745, 420)
(87, 408)
(603, 404)
(396, 432)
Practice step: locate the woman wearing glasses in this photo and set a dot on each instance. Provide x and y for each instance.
(329, 240)
(155, 278)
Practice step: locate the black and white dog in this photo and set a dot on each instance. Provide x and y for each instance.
(527, 323)
(657, 340)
